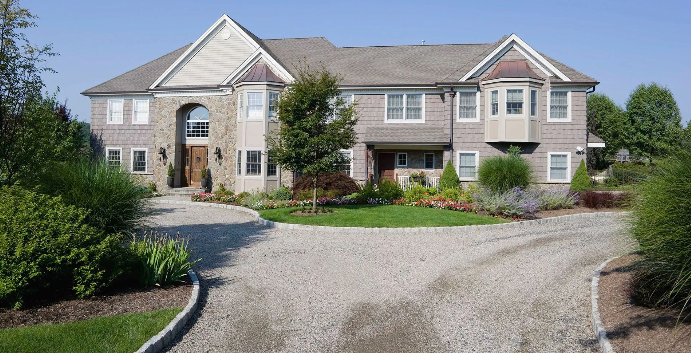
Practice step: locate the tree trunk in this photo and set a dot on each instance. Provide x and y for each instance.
(314, 194)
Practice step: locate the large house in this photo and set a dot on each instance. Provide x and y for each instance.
(211, 104)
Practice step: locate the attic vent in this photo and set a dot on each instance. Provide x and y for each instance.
(225, 33)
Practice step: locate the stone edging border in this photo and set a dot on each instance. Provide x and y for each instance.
(278, 225)
(156, 343)
(598, 327)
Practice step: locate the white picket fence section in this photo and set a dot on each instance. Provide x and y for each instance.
(405, 183)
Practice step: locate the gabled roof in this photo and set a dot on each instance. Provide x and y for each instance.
(389, 66)
(512, 69)
(260, 72)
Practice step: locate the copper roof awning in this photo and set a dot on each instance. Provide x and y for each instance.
(260, 72)
(512, 69)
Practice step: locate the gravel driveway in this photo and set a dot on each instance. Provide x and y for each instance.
(269, 290)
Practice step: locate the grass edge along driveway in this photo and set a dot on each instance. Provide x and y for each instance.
(117, 333)
(384, 216)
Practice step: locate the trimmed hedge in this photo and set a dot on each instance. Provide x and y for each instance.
(48, 250)
(449, 178)
(581, 179)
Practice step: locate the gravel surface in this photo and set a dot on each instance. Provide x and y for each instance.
(269, 290)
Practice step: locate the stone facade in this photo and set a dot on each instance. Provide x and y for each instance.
(167, 119)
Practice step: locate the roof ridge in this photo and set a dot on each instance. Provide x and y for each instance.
(412, 45)
(483, 54)
(322, 37)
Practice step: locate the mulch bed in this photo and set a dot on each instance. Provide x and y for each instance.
(633, 328)
(130, 301)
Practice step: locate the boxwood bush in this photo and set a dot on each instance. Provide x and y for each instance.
(47, 250)
(662, 226)
(503, 173)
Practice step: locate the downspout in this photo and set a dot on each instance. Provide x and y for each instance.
(452, 93)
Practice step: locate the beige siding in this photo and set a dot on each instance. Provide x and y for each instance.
(214, 62)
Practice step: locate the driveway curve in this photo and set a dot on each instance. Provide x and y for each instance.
(278, 290)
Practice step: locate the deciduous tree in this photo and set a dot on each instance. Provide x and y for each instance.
(608, 121)
(315, 125)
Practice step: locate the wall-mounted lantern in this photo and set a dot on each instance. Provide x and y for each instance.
(217, 153)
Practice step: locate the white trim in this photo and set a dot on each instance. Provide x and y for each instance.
(405, 120)
(506, 101)
(537, 103)
(489, 103)
(568, 166)
(596, 144)
(199, 44)
(477, 107)
(104, 96)
(146, 160)
(134, 112)
(119, 149)
(458, 164)
(352, 157)
(194, 93)
(122, 111)
(240, 105)
(261, 164)
(238, 158)
(434, 161)
(523, 48)
(397, 159)
(247, 105)
(568, 107)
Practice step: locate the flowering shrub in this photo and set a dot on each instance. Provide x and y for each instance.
(441, 203)
(210, 197)
(512, 203)
(555, 199)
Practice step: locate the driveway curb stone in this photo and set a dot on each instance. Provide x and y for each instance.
(598, 327)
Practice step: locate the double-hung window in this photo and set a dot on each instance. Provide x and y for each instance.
(402, 160)
(139, 160)
(429, 160)
(253, 165)
(533, 103)
(115, 111)
(347, 167)
(468, 165)
(405, 107)
(347, 101)
(273, 104)
(559, 166)
(271, 168)
(255, 105)
(241, 105)
(140, 114)
(559, 106)
(514, 102)
(494, 103)
(467, 106)
(114, 157)
(238, 169)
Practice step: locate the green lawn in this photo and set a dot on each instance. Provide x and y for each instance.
(388, 216)
(118, 333)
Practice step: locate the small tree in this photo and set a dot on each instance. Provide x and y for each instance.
(315, 125)
(608, 121)
(449, 178)
(581, 180)
(655, 121)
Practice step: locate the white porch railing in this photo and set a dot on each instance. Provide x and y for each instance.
(405, 183)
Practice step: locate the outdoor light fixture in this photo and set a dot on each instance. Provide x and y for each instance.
(162, 154)
(217, 152)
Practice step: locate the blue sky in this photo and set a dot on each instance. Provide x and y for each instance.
(620, 43)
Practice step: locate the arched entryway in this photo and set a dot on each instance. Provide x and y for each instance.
(192, 141)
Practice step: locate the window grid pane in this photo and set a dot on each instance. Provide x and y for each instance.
(141, 111)
(115, 110)
(558, 105)
(346, 167)
(558, 166)
(253, 166)
(414, 107)
(514, 101)
(395, 107)
(273, 100)
(429, 161)
(238, 170)
(255, 106)
(139, 161)
(271, 169)
(197, 128)
(494, 102)
(533, 103)
(467, 105)
(114, 158)
(402, 159)
(467, 165)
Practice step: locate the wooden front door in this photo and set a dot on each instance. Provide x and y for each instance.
(195, 159)
(386, 166)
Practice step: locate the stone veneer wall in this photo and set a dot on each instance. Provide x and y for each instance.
(222, 133)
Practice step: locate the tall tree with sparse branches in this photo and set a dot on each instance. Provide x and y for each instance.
(315, 125)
